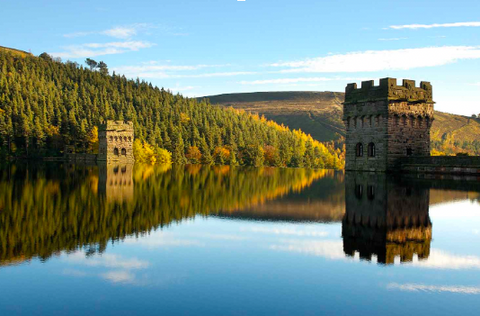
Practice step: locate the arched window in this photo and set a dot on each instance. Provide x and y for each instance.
(359, 150)
(125, 138)
(111, 138)
(115, 151)
(124, 152)
(116, 138)
(371, 150)
(129, 138)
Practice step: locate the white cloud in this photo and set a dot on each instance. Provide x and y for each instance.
(412, 287)
(106, 260)
(100, 49)
(368, 61)
(122, 32)
(393, 39)
(286, 231)
(330, 249)
(439, 259)
(77, 34)
(74, 272)
(284, 81)
(435, 25)
(119, 276)
(297, 80)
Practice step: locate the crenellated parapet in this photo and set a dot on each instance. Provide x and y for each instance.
(388, 90)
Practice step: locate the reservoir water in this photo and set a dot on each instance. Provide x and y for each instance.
(193, 240)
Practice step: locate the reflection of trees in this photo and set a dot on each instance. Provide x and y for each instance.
(48, 209)
(385, 219)
(322, 201)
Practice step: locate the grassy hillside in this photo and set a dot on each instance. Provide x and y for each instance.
(319, 114)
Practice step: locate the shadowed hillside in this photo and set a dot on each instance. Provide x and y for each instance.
(320, 115)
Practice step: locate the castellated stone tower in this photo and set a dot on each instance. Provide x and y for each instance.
(386, 122)
(116, 141)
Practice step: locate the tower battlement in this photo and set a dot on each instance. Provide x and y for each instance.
(388, 90)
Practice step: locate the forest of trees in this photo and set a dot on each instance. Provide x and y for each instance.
(48, 107)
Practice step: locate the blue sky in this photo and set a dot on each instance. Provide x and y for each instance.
(204, 47)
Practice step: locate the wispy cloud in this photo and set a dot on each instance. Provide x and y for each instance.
(154, 71)
(435, 25)
(330, 249)
(122, 32)
(412, 287)
(393, 39)
(369, 61)
(286, 231)
(121, 276)
(297, 80)
(107, 260)
(100, 49)
(439, 259)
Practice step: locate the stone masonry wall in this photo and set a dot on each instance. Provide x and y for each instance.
(408, 130)
(366, 123)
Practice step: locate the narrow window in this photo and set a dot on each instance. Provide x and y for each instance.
(370, 192)
(124, 152)
(371, 150)
(359, 191)
(359, 150)
(115, 151)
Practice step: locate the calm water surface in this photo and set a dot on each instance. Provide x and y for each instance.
(143, 240)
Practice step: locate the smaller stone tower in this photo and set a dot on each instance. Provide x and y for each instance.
(386, 122)
(115, 140)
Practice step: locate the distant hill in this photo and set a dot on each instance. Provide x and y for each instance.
(316, 113)
(319, 114)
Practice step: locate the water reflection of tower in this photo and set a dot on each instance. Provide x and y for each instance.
(385, 218)
(116, 182)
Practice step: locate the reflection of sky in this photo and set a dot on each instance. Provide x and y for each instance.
(212, 266)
